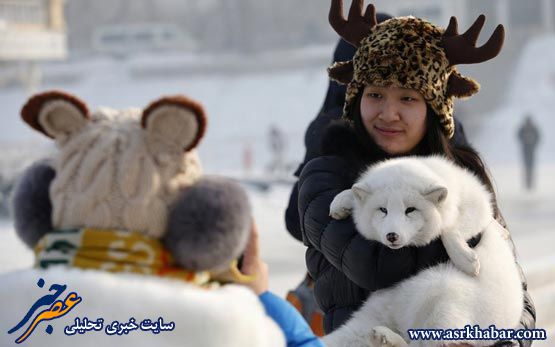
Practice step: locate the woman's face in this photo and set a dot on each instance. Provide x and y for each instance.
(394, 117)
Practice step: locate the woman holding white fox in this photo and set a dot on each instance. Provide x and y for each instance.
(400, 90)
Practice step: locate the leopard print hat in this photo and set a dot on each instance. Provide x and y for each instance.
(411, 53)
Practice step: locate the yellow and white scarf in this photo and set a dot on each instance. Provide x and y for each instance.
(122, 251)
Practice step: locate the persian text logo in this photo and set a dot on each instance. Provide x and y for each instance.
(56, 309)
(117, 328)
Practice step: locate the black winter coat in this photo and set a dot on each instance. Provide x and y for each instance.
(346, 267)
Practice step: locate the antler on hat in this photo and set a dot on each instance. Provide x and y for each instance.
(358, 24)
(461, 49)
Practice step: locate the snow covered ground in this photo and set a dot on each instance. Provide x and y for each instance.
(241, 109)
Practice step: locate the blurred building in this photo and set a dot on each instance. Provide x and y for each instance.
(32, 30)
(207, 25)
(125, 27)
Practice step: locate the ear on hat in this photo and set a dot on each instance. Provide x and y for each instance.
(342, 72)
(54, 113)
(176, 121)
(461, 87)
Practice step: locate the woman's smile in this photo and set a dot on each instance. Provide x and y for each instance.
(389, 132)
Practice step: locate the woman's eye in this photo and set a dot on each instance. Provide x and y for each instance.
(383, 210)
(408, 98)
(374, 95)
(409, 210)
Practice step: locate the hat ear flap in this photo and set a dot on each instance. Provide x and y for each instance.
(342, 72)
(56, 114)
(461, 87)
(175, 121)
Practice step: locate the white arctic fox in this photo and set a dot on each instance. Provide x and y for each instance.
(412, 201)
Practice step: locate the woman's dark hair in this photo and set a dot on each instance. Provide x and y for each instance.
(435, 142)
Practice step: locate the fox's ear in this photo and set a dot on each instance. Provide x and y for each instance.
(360, 191)
(436, 194)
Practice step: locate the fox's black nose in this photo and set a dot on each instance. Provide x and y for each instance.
(392, 237)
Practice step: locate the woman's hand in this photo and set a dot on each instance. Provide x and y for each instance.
(253, 265)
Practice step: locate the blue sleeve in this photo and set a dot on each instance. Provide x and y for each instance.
(296, 330)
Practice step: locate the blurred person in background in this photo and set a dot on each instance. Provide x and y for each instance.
(277, 145)
(529, 137)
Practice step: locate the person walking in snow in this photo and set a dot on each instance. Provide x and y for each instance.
(276, 142)
(529, 137)
(401, 85)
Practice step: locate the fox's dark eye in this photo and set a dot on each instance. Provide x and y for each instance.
(384, 210)
(409, 210)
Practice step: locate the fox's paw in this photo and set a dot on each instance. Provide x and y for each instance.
(385, 337)
(467, 261)
(342, 205)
